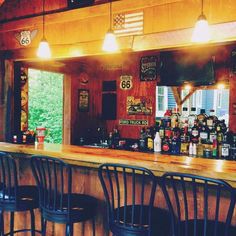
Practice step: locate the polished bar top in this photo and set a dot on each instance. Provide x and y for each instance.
(158, 163)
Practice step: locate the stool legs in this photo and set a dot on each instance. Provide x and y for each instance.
(43, 226)
(12, 223)
(32, 222)
(93, 225)
(69, 229)
(1, 224)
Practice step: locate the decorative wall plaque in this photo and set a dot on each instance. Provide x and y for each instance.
(126, 82)
(148, 68)
(139, 105)
(25, 37)
(83, 100)
(133, 122)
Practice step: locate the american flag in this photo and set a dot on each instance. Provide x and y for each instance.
(125, 24)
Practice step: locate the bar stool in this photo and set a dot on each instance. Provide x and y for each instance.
(199, 206)
(57, 202)
(129, 192)
(14, 197)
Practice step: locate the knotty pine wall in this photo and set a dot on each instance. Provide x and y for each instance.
(111, 67)
(107, 68)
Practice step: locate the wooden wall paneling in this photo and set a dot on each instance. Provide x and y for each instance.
(67, 115)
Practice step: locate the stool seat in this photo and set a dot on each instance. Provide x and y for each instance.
(57, 201)
(160, 221)
(15, 197)
(210, 228)
(82, 208)
(27, 198)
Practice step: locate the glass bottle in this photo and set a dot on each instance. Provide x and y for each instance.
(166, 146)
(204, 132)
(200, 148)
(162, 129)
(142, 143)
(195, 132)
(225, 147)
(157, 142)
(201, 117)
(211, 120)
(168, 130)
(183, 117)
(192, 118)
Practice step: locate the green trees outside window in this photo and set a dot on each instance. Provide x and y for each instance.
(46, 103)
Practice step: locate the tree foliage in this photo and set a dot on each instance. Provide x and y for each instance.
(46, 103)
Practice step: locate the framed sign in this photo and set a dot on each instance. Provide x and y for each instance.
(126, 82)
(139, 105)
(83, 100)
(148, 68)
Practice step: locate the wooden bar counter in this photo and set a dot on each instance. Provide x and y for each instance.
(87, 159)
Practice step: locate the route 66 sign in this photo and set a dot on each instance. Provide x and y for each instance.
(126, 82)
(25, 37)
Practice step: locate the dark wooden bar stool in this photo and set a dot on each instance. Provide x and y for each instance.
(57, 202)
(199, 206)
(130, 193)
(14, 197)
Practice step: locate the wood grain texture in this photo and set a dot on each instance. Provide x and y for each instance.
(158, 163)
(85, 177)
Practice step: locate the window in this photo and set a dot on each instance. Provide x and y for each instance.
(162, 100)
(219, 98)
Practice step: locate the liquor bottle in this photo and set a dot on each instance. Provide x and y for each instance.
(194, 149)
(190, 150)
(110, 140)
(220, 128)
(201, 117)
(225, 147)
(192, 118)
(166, 146)
(214, 149)
(200, 148)
(194, 133)
(157, 142)
(116, 137)
(176, 131)
(166, 117)
(211, 120)
(212, 135)
(184, 138)
(168, 130)
(142, 142)
(204, 132)
(175, 146)
(183, 117)
(149, 140)
(174, 117)
(162, 129)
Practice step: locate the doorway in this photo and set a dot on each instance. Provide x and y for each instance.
(45, 103)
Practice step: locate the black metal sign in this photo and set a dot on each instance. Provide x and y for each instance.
(148, 68)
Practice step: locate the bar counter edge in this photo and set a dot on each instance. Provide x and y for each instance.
(158, 163)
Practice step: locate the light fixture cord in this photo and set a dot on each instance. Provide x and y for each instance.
(110, 14)
(43, 18)
(202, 8)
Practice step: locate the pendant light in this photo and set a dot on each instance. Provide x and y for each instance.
(201, 32)
(110, 43)
(44, 51)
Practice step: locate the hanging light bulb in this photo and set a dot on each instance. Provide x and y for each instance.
(110, 42)
(44, 51)
(201, 32)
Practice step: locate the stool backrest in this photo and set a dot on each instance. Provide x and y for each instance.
(54, 179)
(198, 204)
(8, 179)
(129, 193)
